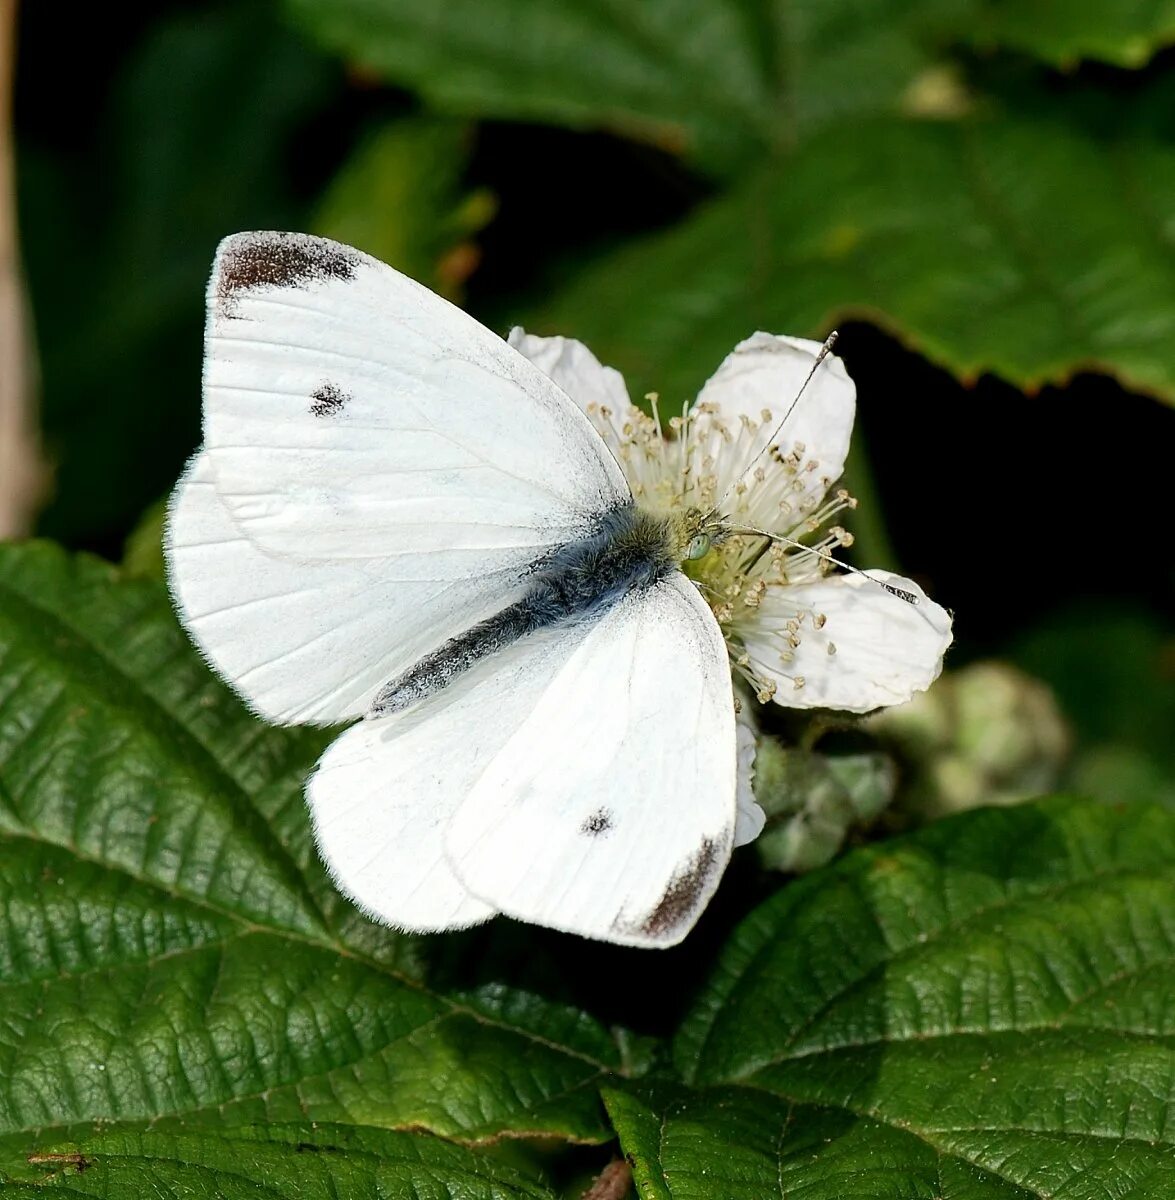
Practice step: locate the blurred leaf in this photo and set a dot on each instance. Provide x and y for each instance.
(1125, 32)
(986, 733)
(970, 241)
(400, 198)
(1114, 771)
(143, 552)
(716, 80)
(170, 946)
(1113, 673)
(119, 245)
(980, 1011)
(310, 1161)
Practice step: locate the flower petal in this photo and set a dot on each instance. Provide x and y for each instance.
(577, 371)
(859, 646)
(750, 818)
(757, 383)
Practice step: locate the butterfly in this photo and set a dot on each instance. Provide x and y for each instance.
(397, 520)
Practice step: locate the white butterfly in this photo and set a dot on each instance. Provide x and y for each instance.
(396, 516)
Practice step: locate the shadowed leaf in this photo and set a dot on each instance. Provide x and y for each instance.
(979, 1012)
(716, 80)
(951, 235)
(170, 946)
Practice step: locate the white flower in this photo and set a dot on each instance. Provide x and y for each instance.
(799, 633)
(749, 817)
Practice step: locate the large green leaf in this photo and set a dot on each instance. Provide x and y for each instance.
(1124, 32)
(981, 1012)
(716, 79)
(971, 241)
(310, 1161)
(170, 947)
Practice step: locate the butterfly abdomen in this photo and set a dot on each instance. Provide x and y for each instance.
(628, 550)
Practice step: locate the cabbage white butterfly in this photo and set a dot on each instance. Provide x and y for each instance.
(396, 516)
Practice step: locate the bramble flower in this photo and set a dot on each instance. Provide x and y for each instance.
(799, 632)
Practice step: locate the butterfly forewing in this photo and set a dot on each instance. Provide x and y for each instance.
(352, 413)
(379, 473)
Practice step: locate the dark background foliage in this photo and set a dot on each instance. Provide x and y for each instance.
(144, 139)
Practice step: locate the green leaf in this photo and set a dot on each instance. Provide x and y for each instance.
(1121, 692)
(716, 80)
(1126, 32)
(170, 946)
(400, 199)
(1119, 699)
(305, 1160)
(142, 553)
(979, 1011)
(950, 235)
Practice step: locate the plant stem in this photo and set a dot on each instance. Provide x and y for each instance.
(22, 473)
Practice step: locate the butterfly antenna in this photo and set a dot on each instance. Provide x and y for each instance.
(893, 589)
(823, 353)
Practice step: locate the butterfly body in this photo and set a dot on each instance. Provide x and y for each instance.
(630, 549)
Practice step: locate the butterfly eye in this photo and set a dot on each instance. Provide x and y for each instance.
(699, 546)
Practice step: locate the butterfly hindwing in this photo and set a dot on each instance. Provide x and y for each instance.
(610, 810)
(583, 779)
(304, 641)
(383, 795)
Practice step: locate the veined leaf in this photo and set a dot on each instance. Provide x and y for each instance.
(969, 240)
(170, 947)
(980, 1011)
(311, 1161)
(717, 80)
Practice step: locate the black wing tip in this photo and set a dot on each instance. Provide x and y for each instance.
(264, 259)
(686, 893)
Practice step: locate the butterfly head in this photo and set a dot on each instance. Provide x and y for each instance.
(695, 532)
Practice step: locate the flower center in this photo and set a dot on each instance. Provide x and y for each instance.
(772, 510)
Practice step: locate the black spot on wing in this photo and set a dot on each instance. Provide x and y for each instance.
(599, 822)
(677, 905)
(328, 400)
(253, 261)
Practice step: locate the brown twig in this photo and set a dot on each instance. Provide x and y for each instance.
(78, 1161)
(612, 1183)
(22, 474)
